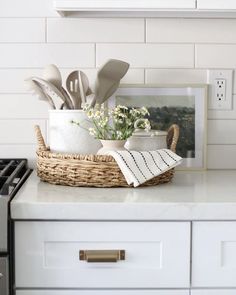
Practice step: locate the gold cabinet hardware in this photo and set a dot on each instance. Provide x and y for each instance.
(102, 255)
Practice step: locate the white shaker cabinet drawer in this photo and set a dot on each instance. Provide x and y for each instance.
(157, 254)
(105, 292)
(214, 254)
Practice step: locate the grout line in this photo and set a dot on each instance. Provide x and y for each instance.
(191, 254)
(95, 55)
(125, 42)
(23, 119)
(145, 30)
(46, 30)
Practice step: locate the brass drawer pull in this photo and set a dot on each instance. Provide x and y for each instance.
(102, 255)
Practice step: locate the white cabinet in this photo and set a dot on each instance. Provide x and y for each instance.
(157, 255)
(122, 5)
(216, 4)
(214, 254)
(212, 292)
(105, 292)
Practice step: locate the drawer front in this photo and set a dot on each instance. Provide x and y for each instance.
(157, 254)
(213, 292)
(104, 292)
(214, 254)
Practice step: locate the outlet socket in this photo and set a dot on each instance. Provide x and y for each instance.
(220, 89)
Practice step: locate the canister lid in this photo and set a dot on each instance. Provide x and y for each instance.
(150, 133)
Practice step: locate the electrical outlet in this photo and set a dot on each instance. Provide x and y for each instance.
(220, 89)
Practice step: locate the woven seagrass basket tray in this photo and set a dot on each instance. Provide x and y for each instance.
(90, 170)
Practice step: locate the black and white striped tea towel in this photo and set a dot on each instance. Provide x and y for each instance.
(139, 167)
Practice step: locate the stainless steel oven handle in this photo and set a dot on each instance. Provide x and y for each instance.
(1, 275)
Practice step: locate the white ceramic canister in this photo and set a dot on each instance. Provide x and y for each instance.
(65, 137)
(147, 141)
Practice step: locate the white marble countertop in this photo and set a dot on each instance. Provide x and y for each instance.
(207, 195)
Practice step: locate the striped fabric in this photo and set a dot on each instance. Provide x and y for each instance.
(138, 167)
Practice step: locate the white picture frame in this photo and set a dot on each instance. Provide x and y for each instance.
(148, 95)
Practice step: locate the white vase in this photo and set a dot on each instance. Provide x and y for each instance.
(111, 145)
(65, 137)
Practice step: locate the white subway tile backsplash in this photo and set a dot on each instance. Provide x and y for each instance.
(28, 30)
(182, 30)
(221, 156)
(148, 55)
(20, 106)
(19, 151)
(26, 8)
(175, 76)
(221, 132)
(38, 55)
(215, 56)
(95, 30)
(20, 131)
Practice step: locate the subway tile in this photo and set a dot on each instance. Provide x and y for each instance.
(20, 131)
(134, 76)
(22, 106)
(221, 157)
(148, 55)
(19, 151)
(180, 30)
(221, 132)
(224, 114)
(215, 56)
(12, 80)
(22, 30)
(175, 76)
(39, 55)
(95, 30)
(26, 8)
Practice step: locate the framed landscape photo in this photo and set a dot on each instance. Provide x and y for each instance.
(184, 105)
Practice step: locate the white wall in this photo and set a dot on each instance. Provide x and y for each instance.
(159, 51)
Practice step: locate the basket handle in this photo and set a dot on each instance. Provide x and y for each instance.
(41, 143)
(172, 137)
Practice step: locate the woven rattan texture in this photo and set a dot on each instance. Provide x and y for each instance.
(90, 170)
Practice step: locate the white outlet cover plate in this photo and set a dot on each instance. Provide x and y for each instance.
(213, 103)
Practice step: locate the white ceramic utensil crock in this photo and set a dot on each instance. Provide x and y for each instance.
(147, 141)
(65, 137)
